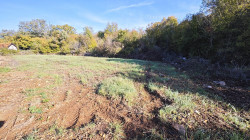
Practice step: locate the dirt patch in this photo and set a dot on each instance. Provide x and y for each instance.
(71, 106)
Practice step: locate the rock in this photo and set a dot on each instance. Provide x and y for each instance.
(221, 83)
(180, 128)
(207, 86)
(196, 111)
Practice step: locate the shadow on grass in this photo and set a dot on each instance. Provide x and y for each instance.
(184, 82)
(168, 76)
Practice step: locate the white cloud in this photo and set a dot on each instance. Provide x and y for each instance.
(93, 17)
(130, 6)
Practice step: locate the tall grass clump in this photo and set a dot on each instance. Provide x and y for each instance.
(117, 87)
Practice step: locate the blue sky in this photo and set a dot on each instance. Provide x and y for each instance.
(94, 13)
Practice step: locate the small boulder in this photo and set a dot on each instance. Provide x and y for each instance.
(180, 128)
(221, 83)
(207, 86)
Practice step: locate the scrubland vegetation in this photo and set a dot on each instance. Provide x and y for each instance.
(219, 32)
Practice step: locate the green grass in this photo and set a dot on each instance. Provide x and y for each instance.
(44, 97)
(117, 87)
(29, 137)
(182, 104)
(241, 123)
(34, 109)
(203, 134)
(55, 129)
(30, 93)
(4, 69)
(116, 130)
(57, 79)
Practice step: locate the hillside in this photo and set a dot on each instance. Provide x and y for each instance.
(76, 97)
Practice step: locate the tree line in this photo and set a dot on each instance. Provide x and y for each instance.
(220, 32)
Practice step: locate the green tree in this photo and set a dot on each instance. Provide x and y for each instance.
(35, 28)
(89, 39)
(62, 28)
(22, 41)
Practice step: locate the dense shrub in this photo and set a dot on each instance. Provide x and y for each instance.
(6, 51)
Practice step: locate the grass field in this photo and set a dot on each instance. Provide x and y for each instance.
(75, 97)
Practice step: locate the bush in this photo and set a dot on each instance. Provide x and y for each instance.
(108, 48)
(6, 51)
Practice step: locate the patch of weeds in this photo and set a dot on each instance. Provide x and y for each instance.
(170, 111)
(22, 110)
(34, 109)
(116, 87)
(69, 92)
(4, 69)
(58, 79)
(200, 134)
(56, 130)
(89, 130)
(203, 134)
(44, 97)
(87, 78)
(90, 125)
(83, 80)
(29, 137)
(236, 120)
(236, 136)
(42, 75)
(153, 135)
(136, 74)
(154, 88)
(181, 106)
(116, 131)
(185, 102)
(30, 93)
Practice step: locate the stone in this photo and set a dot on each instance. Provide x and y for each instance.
(207, 86)
(221, 83)
(196, 111)
(180, 128)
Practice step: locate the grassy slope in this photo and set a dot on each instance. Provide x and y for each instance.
(186, 102)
